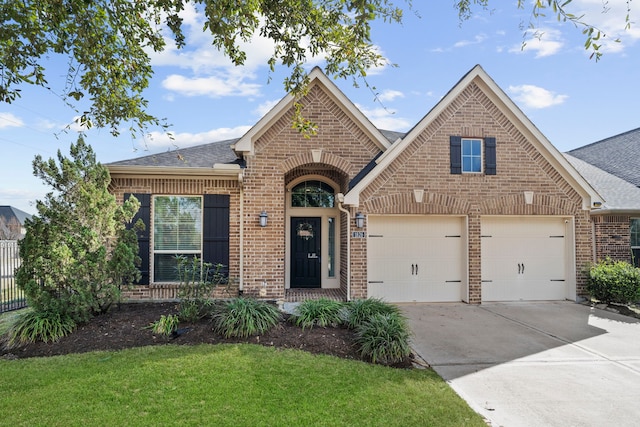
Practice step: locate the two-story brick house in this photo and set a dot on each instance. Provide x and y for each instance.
(472, 204)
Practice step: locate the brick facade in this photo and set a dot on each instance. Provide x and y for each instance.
(612, 237)
(342, 148)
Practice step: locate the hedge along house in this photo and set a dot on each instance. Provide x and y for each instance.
(472, 204)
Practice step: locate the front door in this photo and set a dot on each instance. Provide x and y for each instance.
(305, 252)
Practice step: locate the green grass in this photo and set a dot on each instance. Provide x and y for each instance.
(222, 385)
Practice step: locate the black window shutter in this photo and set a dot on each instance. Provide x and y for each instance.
(215, 230)
(490, 156)
(144, 213)
(455, 153)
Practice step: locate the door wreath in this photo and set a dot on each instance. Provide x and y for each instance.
(305, 230)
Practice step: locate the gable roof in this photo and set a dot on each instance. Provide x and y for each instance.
(619, 195)
(9, 213)
(617, 155)
(507, 106)
(316, 77)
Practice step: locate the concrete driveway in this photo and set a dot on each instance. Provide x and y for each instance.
(534, 364)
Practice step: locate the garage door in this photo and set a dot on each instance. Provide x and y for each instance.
(416, 258)
(523, 258)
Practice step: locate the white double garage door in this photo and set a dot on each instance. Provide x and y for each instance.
(426, 258)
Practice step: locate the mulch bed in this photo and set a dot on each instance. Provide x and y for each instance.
(127, 326)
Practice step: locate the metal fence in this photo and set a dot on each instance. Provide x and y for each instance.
(11, 298)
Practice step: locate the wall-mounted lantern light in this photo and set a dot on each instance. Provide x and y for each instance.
(359, 220)
(263, 218)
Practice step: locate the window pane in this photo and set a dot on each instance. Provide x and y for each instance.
(635, 232)
(475, 148)
(332, 247)
(165, 267)
(476, 166)
(177, 223)
(312, 194)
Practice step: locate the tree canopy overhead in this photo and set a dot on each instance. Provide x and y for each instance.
(108, 43)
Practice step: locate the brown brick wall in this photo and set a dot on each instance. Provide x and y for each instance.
(282, 154)
(612, 237)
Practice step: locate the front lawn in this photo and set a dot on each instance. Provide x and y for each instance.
(230, 384)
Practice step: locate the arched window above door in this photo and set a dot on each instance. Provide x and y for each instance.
(312, 194)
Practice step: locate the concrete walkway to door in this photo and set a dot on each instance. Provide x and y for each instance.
(534, 364)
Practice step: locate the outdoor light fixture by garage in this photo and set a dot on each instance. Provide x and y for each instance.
(263, 218)
(359, 220)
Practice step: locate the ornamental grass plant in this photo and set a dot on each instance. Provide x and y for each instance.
(243, 317)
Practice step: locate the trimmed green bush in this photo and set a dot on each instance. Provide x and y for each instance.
(34, 325)
(384, 338)
(614, 281)
(243, 317)
(322, 312)
(362, 309)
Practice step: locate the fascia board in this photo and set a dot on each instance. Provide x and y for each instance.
(222, 171)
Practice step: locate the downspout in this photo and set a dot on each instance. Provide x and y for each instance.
(342, 209)
(241, 266)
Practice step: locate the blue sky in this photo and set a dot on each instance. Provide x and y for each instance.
(572, 99)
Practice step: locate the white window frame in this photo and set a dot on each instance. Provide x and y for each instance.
(154, 251)
(462, 155)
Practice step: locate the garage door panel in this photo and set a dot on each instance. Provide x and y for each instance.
(412, 259)
(523, 258)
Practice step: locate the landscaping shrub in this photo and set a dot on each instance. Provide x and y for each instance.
(33, 326)
(166, 325)
(384, 338)
(362, 309)
(322, 312)
(197, 282)
(614, 281)
(242, 317)
(78, 252)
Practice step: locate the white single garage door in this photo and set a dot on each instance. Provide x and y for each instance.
(416, 258)
(524, 258)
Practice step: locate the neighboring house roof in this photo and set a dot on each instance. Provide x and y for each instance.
(9, 213)
(618, 155)
(619, 195)
(478, 76)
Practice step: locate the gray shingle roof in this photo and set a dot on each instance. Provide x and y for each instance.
(9, 213)
(619, 155)
(617, 193)
(206, 155)
(198, 156)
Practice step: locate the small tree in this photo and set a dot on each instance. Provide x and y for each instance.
(77, 252)
(9, 229)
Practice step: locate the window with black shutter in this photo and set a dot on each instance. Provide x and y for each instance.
(472, 155)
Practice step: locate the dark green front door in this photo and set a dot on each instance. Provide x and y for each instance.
(305, 252)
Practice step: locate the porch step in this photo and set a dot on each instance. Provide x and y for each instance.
(299, 295)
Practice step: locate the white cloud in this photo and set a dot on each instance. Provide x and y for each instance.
(476, 40)
(186, 139)
(265, 107)
(8, 120)
(383, 118)
(609, 17)
(535, 97)
(543, 41)
(211, 86)
(389, 95)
